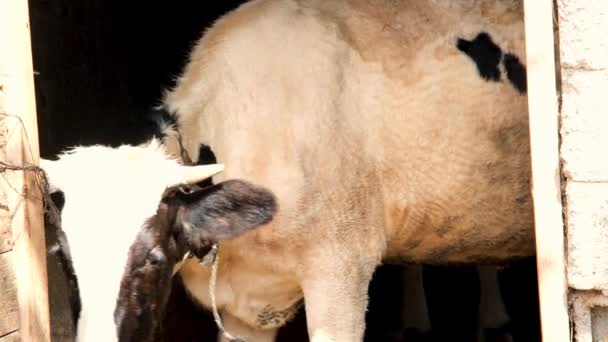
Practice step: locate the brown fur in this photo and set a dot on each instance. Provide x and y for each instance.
(378, 137)
(188, 218)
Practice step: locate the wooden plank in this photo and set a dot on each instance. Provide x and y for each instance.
(9, 306)
(546, 180)
(12, 337)
(17, 98)
(5, 232)
(6, 242)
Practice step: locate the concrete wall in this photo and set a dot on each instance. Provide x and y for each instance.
(583, 46)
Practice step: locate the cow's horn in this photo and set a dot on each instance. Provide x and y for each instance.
(194, 174)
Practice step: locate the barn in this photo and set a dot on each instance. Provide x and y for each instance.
(86, 72)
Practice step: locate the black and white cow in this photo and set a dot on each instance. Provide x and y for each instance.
(130, 215)
(388, 131)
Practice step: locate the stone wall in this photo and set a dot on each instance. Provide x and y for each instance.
(583, 46)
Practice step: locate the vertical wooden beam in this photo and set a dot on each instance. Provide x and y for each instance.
(9, 308)
(546, 178)
(17, 98)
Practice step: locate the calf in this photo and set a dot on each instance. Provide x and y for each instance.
(127, 231)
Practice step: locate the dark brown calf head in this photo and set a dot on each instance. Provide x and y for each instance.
(188, 219)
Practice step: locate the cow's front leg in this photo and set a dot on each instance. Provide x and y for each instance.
(336, 299)
(238, 328)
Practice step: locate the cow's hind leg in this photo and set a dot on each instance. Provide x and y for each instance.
(238, 328)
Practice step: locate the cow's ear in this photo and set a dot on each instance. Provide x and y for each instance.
(223, 211)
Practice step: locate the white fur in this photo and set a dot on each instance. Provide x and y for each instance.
(110, 192)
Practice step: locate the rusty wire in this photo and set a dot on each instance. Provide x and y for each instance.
(40, 176)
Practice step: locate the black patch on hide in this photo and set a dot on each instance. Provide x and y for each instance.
(205, 156)
(485, 53)
(516, 72)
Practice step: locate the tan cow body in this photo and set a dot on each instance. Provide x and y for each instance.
(379, 138)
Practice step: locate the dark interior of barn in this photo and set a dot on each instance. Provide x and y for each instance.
(102, 65)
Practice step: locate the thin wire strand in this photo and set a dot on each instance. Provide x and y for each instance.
(212, 285)
(40, 176)
(55, 218)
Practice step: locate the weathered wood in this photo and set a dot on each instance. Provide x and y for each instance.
(5, 212)
(17, 98)
(546, 180)
(5, 227)
(12, 337)
(5, 232)
(9, 307)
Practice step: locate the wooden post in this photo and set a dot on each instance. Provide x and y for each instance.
(546, 179)
(22, 253)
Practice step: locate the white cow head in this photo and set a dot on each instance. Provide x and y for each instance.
(130, 215)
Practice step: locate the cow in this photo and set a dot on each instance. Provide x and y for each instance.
(388, 132)
(130, 217)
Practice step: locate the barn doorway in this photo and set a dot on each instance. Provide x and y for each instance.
(102, 64)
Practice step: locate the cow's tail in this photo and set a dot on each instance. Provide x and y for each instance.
(163, 126)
